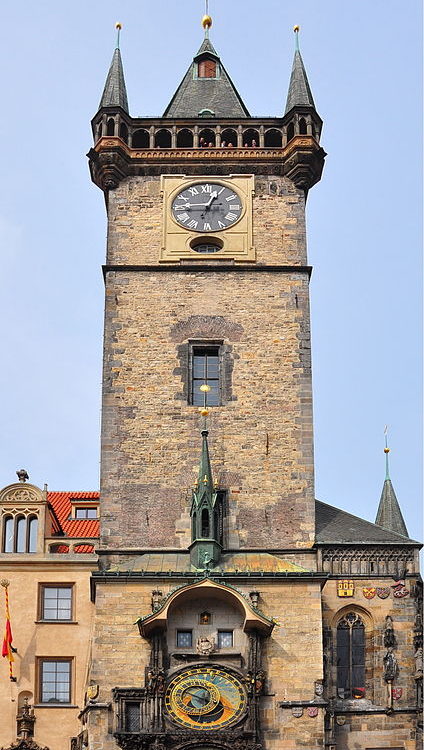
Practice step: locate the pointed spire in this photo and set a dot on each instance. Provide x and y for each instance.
(299, 93)
(213, 92)
(114, 92)
(389, 515)
(204, 486)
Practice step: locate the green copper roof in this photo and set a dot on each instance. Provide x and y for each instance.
(299, 94)
(194, 94)
(389, 515)
(204, 488)
(115, 92)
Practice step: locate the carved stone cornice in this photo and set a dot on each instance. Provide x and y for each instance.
(111, 160)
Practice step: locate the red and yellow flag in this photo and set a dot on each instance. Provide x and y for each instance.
(7, 648)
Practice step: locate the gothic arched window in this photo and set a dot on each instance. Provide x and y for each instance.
(351, 656)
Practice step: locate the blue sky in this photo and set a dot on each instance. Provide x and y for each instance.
(364, 220)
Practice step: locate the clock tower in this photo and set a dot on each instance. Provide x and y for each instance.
(208, 606)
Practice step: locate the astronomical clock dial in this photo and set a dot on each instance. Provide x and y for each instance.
(207, 207)
(205, 698)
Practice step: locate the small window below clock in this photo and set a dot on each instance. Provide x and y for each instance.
(206, 245)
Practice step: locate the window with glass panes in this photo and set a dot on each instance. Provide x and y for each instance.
(205, 371)
(184, 639)
(56, 602)
(86, 513)
(350, 655)
(225, 638)
(55, 680)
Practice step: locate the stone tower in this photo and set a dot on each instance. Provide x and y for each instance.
(208, 596)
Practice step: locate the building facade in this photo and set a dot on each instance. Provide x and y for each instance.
(46, 559)
(231, 609)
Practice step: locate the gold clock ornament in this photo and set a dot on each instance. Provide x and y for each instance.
(205, 698)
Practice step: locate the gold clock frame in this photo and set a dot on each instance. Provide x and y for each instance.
(237, 240)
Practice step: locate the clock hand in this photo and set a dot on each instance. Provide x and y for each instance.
(212, 198)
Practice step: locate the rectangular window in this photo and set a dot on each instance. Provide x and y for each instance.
(55, 680)
(86, 513)
(56, 603)
(132, 717)
(184, 639)
(225, 638)
(205, 372)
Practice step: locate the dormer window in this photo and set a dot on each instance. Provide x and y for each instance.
(207, 69)
(84, 513)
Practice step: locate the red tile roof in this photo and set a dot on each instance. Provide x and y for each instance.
(61, 504)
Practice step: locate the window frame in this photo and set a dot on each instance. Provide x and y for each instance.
(221, 633)
(41, 660)
(184, 631)
(370, 644)
(196, 346)
(16, 517)
(86, 508)
(42, 587)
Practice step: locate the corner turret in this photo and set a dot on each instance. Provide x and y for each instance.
(389, 515)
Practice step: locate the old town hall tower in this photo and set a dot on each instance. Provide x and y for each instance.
(232, 610)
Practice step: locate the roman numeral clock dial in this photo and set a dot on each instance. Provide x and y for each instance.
(207, 207)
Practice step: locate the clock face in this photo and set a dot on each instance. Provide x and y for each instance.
(207, 207)
(205, 698)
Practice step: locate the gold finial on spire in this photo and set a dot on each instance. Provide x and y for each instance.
(207, 19)
(386, 449)
(118, 27)
(296, 29)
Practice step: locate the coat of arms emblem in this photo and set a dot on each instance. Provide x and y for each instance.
(400, 590)
(383, 593)
(369, 592)
(312, 711)
(397, 693)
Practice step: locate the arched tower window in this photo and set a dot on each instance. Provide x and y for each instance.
(163, 139)
(251, 138)
(302, 126)
(141, 139)
(351, 656)
(273, 138)
(228, 137)
(194, 526)
(205, 523)
(290, 131)
(206, 137)
(207, 69)
(184, 138)
(110, 129)
(123, 132)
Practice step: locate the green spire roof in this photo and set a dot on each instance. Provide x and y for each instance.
(389, 515)
(299, 94)
(195, 94)
(115, 92)
(204, 488)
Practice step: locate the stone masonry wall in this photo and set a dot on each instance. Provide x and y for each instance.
(292, 656)
(135, 220)
(260, 440)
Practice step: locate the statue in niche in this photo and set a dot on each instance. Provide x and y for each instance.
(389, 634)
(418, 656)
(156, 600)
(391, 668)
(205, 645)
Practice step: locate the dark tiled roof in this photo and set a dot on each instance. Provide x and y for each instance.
(180, 563)
(115, 92)
(389, 514)
(196, 94)
(299, 94)
(335, 526)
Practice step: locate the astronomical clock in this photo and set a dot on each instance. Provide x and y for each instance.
(205, 698)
